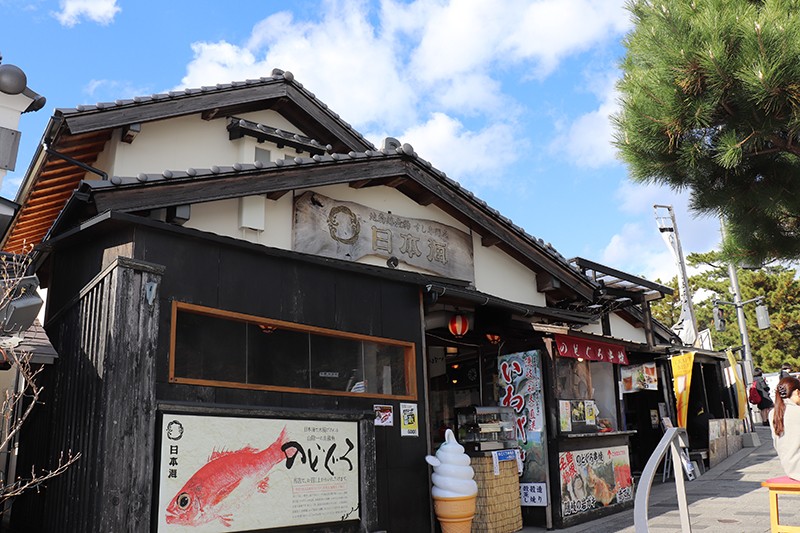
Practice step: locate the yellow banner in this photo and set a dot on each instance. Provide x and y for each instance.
(681, 382)
(741, 395)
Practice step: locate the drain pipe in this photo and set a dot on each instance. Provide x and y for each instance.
(75, 162)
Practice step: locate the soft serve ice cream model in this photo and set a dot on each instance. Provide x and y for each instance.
(454, 491)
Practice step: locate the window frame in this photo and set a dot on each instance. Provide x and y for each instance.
(409, 353)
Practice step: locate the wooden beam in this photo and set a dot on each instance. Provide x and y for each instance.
(277, 195)
(396, 182)
(490, 240)
(360, 184)
(184, 104)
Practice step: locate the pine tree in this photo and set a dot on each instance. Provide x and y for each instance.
(710, 102)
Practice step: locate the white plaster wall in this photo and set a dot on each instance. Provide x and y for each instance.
(191, 142)
(595, 328)
(495, 272)
(500, 275)
(622, 329)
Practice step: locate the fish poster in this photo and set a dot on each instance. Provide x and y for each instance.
(591, 479)
(223, 473)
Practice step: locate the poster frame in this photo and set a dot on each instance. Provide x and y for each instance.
(368, 505)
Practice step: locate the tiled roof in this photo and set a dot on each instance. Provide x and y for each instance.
(404, 150)
(278, 76)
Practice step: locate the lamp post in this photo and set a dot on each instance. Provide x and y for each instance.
(16, 98)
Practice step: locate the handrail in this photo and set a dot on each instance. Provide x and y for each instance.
(674, 439)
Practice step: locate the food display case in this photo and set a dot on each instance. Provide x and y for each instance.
(483, 429)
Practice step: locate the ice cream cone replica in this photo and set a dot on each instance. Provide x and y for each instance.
(455, 514)
(454, 491)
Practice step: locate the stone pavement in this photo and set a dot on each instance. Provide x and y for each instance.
(727, 498)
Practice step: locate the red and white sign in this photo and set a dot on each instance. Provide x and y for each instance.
(578, 348)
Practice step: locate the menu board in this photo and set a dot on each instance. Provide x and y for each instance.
(639, 377)
(595, 478)
(221, 474)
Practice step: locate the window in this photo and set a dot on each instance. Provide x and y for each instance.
(219, 348)
(263, 155)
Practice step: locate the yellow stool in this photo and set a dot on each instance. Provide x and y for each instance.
(776, 486)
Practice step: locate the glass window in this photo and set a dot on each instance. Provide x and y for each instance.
(586, 395)
(228, 349)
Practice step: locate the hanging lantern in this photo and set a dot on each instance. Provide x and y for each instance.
(493, 338)
(458, 325)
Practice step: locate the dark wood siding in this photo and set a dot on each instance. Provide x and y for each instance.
(99, 402)
(242, 280)
(104, 391)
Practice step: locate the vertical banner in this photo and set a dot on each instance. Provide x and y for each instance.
(681, 381)
(520, 383)
(741, 396)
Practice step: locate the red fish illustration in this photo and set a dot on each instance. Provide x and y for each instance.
(204, 498)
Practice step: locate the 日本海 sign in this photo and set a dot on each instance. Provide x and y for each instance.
(590, 350)
(350, 231)
(221, 474)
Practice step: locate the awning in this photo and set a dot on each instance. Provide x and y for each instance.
(590, 350)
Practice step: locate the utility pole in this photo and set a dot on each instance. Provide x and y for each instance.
(669, 231)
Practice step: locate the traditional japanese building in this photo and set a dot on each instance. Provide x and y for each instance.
(257, 309)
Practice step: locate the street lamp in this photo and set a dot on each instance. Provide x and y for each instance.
(15, 98)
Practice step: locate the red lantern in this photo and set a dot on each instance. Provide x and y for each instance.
(458, 325)
(493, 338)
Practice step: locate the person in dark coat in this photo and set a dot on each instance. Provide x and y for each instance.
(763, 389)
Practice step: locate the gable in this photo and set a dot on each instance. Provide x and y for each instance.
(73, 144)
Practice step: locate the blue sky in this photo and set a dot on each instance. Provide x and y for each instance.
(511, 102)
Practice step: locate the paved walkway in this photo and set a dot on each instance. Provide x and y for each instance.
(727, 498)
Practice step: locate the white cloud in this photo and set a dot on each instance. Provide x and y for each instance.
(466, 156)
(341, 58)
(105, 90)
(586, 141)
(550, 30)
(100, 11)
(437, 70)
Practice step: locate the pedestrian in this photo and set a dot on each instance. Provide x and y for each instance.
(785, 420)
(786, 370)
(763, 389)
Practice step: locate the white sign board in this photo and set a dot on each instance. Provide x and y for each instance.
(240, 474)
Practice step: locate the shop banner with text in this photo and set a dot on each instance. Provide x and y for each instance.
(590, 350)
(242, 474)
(520, 382)
(595, 478)
(681, 382)
(741, 395)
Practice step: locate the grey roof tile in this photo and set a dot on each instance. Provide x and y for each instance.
(328, 158)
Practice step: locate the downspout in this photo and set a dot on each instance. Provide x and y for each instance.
(80, 164)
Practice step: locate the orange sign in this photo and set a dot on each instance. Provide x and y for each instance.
(681, 382)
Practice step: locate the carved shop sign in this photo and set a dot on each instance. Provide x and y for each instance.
(350, 231)
(590, 350)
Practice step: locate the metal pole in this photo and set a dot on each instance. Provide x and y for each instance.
(747, 354)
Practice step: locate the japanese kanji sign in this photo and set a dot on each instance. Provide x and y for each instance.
(219, 473)
(590, 350)
(350, 231)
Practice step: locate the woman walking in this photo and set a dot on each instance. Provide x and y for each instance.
(763, 389)
(785, 421)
